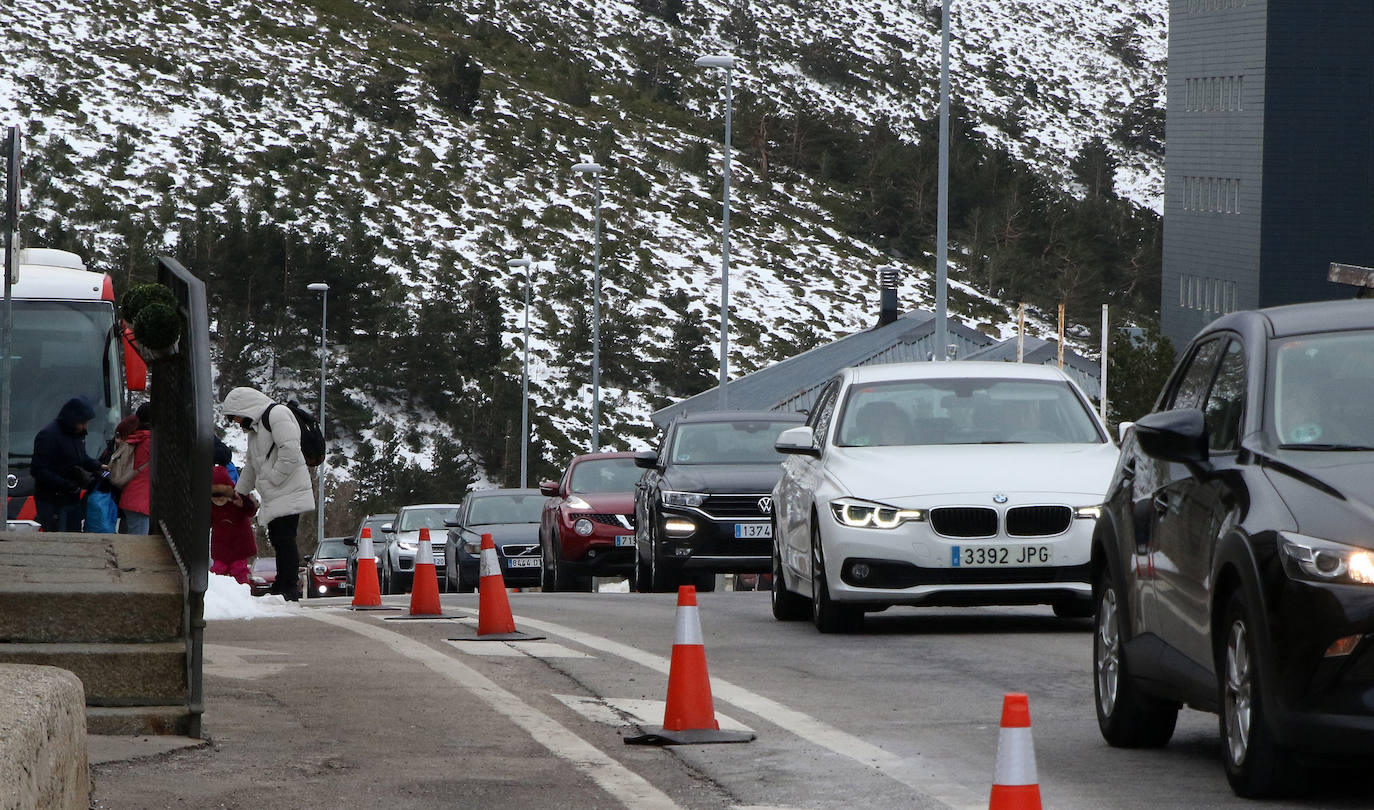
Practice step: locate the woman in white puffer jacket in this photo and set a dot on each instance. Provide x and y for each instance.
(276, 468)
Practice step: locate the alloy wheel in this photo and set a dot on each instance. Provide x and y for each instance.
(1239, 687)
(1108, 658)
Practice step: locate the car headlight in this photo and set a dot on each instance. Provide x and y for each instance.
(405, 546)
(1317, 560)
(319, 569)
(472, 547)
(869, 515)
(672, 498)
(575, 502)
(583, 527)
(1088, 512)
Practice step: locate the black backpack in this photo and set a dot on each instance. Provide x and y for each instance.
(312, 438)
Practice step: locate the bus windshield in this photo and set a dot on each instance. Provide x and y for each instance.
(60, 350)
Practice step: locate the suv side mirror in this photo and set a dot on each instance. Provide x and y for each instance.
(349, 541)
(799, 441)
(1178, 435)
(1122, 429)
(308, 558)
(389, 528)
(549, 488)
(648, 459)
(451, 524)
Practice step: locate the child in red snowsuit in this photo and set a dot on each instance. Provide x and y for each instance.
(232, 542)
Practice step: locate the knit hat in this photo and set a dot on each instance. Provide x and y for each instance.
(220, 483)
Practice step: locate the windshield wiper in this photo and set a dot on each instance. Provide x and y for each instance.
(1321, 446)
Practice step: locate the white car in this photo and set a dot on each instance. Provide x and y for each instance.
(402, 537)
(958, 483)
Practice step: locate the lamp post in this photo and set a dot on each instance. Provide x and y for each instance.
(942, 196)
(525, 378)
(728, 62)
(323, 289)
(595, 171)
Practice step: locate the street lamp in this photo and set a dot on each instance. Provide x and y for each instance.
(323, 289)
(595, 171)
(942, 195)
(728, 62)
(525, 378)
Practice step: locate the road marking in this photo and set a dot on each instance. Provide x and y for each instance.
(504, 649)
(231, 662)
(623, 784)
(620, 711)
(915, 773)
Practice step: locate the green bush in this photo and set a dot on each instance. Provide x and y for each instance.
(157, 326)
(139, 296)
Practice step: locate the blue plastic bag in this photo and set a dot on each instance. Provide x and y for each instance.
(102, 513)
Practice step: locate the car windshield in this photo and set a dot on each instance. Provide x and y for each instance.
(742, 442)
(605, 475)
(505, 509)
(965, 411)
(331, 550)
(264, 565)
(413, 520)
(1322, 391)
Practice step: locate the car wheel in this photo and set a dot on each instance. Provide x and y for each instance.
(640, 577)
(1127, 718)
(547, 562)
(1256, 766)
(1074, 608)
(386, 578)
(787, 606)
(704, 582)
(828, 615)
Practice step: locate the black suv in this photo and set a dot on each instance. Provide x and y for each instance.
(705, 504)
(1233, 566)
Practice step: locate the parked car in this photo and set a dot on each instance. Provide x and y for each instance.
(1234, 564)
(587, 527)
(959, 483)
(403, 540)
(375, 523)
(511, 517)
(704, 504)
(261, 574)
(325, 572)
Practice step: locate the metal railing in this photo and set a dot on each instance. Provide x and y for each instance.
(183, 423)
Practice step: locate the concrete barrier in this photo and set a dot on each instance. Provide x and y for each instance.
(42, 739)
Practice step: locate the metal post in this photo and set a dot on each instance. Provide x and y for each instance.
(596, 322)
(525, 392)
(7, 318)
(323, 289)
(1021, 333)
(942, 214)
(1102, 393)
(725, 254)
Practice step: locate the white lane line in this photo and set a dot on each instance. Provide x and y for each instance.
(915, 773)
(621, 711)
(623, 784)
(504, 649)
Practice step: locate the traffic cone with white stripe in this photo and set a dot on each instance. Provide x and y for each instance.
(493, 607)
(424, 591)
(690, 714)
(367, 592)
(1015, 785)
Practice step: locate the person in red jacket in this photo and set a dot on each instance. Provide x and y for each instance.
(232, 542)
(135, 497)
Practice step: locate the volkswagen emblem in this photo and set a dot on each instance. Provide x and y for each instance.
(999, 498)
(766, 505)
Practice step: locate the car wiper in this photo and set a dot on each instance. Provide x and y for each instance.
(999, 441)
(1321, 446)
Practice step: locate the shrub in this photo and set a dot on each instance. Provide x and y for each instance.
(157, 325)
(139, 296)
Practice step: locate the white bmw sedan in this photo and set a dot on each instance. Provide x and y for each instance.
(959, 483)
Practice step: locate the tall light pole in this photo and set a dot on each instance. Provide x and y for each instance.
(942, 204)
(728, 62)
(595, 171)
(323, 289)
(525, 379)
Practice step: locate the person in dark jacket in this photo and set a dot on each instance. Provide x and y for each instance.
(61, 467)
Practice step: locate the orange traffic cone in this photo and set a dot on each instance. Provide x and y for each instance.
(424, 593)
(690, 714)
(493, 607)
(1015, 785)
(367, 593)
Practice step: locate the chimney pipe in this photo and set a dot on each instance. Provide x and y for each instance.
(887, 302)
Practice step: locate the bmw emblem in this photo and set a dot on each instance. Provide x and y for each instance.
(999, 498)
(765, 505)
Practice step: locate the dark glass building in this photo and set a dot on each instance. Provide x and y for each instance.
(1269, 174)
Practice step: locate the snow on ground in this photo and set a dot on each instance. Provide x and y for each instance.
(227, 599)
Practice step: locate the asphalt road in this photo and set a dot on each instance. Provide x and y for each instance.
(335, 708)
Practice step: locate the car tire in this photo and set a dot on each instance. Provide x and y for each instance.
(1126, 717)
(787, 606)
(547, 581)
(828, 615)
(1256, 766)
(704, 582)
(386, 583)
(1074, 608)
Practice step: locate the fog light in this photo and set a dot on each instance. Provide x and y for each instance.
(1343, 646)
(678, 527)
(860, 571)
(583, 527)
(591, 555)
(324, 589)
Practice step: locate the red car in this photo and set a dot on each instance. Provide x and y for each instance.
(326, 571)
(587, 528)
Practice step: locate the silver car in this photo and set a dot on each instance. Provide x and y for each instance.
(402, 538)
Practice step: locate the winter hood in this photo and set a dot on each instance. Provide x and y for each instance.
(74, 412)
(246, 402)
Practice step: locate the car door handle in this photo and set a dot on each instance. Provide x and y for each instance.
(1161, 504)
